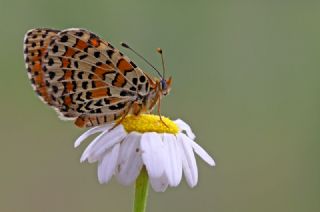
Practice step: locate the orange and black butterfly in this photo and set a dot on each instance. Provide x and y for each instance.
(86, 79)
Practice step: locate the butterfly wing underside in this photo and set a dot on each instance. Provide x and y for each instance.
(82, 76)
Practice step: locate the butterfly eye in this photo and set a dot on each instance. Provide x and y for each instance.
(163, 85)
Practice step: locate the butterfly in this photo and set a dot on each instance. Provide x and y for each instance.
(86, 79)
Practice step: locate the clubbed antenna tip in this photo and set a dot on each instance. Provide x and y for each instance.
(159, 50)
(125, 45)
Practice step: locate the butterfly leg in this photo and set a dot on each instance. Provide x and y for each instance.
(136, 108)
(159, 105)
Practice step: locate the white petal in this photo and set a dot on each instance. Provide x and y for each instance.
(185, 127)
(189, 164)
(152, 154)
(202, 153)
(102, 142)
(91, 132)
(173, 167)
(107, 165)
(159, 184)
(188, 174)
(130, 161)
(89, 148)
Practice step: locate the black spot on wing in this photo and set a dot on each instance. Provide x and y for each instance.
(133, 65)
(83, 56)
(96, 54)
(80, 75)
(117, 106)
(133, 88)
(126, 93)
(106, 101)
(75, 63)
(87, 107)
(51, 75)
(142, 78)
(110, 46)
(55, 49)
(64, 38)
(90, 76)
(79, 33)
(88, 94)
(110, 53)
(98, 103)
(55, 89)
(50, 62)
(135, 81)
(79, 97)
(85, 85)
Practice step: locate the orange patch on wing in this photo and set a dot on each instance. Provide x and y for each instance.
(68, 74)
(100, 84)
(43, 92)
(120, 81)
(67, 100)
(81, 45)
(37, 67)
(124, 65)
(36, 58)
(65, 63)
(38, 79)
(70, 52)
(99, 93)
(100, 72)
(114, 100)
(94, 42)
(80, 122)
(69, 86)
(44, 48)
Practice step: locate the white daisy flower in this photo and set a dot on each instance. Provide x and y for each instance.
(143, 141)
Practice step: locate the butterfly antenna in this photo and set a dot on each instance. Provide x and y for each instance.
(159, 50)
(145, 60)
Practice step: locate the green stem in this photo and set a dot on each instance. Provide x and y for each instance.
(141, 191)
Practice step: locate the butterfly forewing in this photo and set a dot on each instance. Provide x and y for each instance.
(82, 76)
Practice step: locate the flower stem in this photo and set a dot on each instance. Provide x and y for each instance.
(141, 191)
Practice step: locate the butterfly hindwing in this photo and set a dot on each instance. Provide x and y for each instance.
(36, 42)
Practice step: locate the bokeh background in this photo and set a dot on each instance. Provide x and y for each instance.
(246, 77)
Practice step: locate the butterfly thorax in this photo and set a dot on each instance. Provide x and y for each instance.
(146, 103)
(157, 90)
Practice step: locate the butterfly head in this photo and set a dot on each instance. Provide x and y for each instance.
(165, 86)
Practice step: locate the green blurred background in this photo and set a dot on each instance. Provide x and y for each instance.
(246, 77)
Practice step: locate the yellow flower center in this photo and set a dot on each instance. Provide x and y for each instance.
(149, 123)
